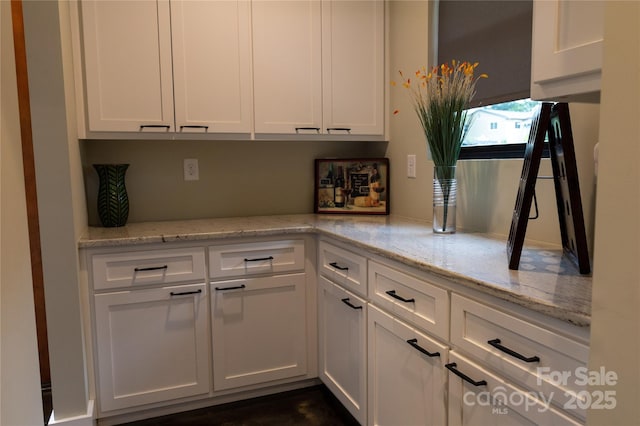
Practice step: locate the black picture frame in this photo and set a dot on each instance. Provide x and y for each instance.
(352, 186)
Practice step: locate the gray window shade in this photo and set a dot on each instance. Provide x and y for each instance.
(495, 33)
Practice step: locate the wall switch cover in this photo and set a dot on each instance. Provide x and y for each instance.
(411, 166)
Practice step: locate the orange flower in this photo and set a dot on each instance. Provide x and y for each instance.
(442, 96)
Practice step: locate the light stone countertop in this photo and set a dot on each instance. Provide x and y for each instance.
(546, 281)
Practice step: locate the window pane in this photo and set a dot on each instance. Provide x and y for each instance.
(500, 124)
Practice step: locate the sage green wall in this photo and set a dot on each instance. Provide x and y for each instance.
(237, 178)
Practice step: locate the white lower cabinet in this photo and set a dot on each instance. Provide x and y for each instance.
(528, 354)
(406, 373)
(152, 345)
(342, 320)
(258, 330)
(478, 397)
(384, 335)
(412, 299)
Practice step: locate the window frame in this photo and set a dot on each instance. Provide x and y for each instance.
(503, 150)
(497, 152)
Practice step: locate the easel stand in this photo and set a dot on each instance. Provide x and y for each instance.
(553, 120)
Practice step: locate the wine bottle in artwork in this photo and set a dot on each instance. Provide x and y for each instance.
(339, 186)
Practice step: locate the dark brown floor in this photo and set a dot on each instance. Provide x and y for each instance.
(314, 406)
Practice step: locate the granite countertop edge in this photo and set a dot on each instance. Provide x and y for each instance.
(568, 314)
(519, 287)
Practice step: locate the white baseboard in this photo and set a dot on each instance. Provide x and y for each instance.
(88, 419)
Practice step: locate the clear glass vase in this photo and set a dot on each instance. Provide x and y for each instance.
(445, 188)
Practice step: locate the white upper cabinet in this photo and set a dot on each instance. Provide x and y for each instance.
(287, 66)
(567, 50)
(353, 67)
(319, 67)
(304, 68)
(127, 58)
(211, 66)
(139, 54)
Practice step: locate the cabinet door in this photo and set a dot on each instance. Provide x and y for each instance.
(342, 320)
(152, 345)
(406, 386)
(491, 400)
(211, 65)
(567, 49)
(127, 59)
(353, 67)
(287, 66)
(258, 330)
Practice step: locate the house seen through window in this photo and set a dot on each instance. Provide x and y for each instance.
(499, 130)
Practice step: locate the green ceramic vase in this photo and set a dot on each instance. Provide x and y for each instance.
(113, 201)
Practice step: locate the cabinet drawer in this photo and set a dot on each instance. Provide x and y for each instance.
(417, 301)
(343, 267)
(492, 400)
(268, 257)
(113, 270)
(535, 357)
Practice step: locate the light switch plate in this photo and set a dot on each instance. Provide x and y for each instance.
(411, 166)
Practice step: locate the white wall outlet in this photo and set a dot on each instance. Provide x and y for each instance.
(191, 171)
(411, 166)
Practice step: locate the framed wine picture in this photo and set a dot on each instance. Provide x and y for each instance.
(352, 186)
